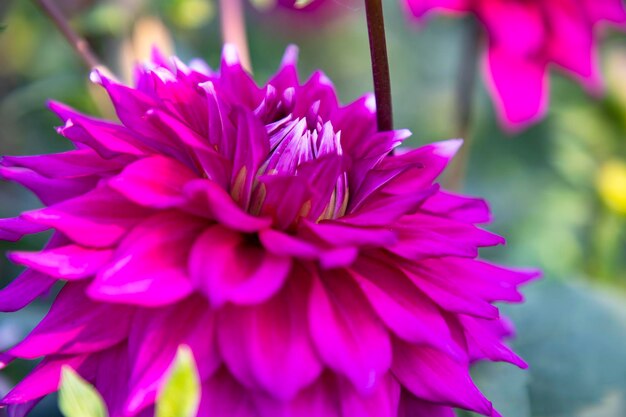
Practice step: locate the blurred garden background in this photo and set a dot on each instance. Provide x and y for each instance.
(557, 189)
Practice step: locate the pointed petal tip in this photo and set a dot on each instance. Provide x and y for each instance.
(370, 102)
(402, 134)
(102, 76)
(95, 77)
(7, 173)
(290, 57)
(5, 360)
(448, 148)
(230, 55)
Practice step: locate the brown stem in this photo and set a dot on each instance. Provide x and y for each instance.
(79, 44)
(233, 22)
(380, 64)
(468, 68)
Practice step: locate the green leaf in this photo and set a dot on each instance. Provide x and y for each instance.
(506, 386)
(573, 336)
(181, 395)
(77, 398)
(300, 4)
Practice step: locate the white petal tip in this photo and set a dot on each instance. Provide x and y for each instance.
(230, 56)
(448, 148)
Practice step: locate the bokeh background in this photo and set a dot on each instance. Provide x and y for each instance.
(558, 190)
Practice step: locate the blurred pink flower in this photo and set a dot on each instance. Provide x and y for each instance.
(311, 16)
(311, 272)
(525, 37)
(291, 4)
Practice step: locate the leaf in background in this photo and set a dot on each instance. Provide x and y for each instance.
(505, 385)
(611, 185)
(77, 398)
(2, 28)
(573, 337)
(181, 395)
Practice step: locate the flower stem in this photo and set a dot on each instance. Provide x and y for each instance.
(233, 22)
(79, 44)
(380, 63)
(468, 68)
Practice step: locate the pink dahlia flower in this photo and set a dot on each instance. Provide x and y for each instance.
(527, 36)
(293, 16)
(291, 4)
(269, 229)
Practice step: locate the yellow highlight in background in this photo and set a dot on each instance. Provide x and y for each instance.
(611, 184)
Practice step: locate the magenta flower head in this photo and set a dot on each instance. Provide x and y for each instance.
(296, 14)
(525, 37)
(296, 5)
(311, 271)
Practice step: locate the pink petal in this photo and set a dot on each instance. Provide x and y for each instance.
(75, 325)
(227, 268)
(235, 83)
(505, 20)
(420, 7)
(421, 236)
(572, 45)
(433, 376)
(366, 156)
(320, 399)
(387, 208)
(66, 262)
(222, 132)
(405, 174)
(154, 340)
(383, 402)
(611, 10)
(24, 289)
(268, 346)
(71, 164)
(410, 406)
(156, 181)
(404, 309)
(21, 410)
(283, 244)
(113, 386)
(174, 130)
(349, 337)
(14, 229)
(107, 139)
(485, 342)
(323, 175)
(519, 86)
(208, 199)
(337, 234)
(432, 279)
(48, 190)
(283, 210)
(43, 380)
(222, 396)
(456, 207)
(481, 279)
(180, 96)
(149, 267)
(251, 150)
(98, 219)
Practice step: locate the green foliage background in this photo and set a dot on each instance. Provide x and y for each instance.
(541, 183)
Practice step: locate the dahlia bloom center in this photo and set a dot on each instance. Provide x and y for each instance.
(296, 146)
